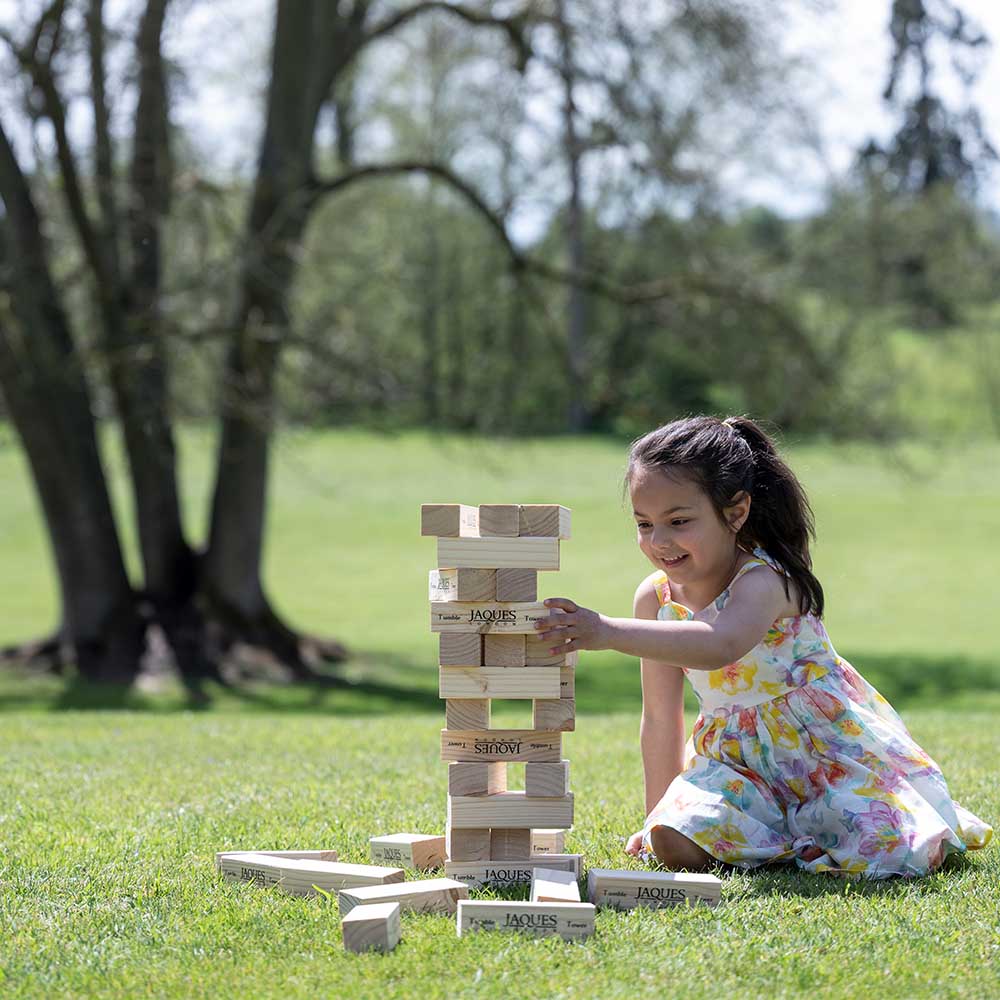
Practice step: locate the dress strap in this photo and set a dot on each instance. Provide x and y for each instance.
(662, 585)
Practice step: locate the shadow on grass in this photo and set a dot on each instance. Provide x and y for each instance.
(376, 683)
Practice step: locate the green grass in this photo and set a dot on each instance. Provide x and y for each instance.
(112, 806)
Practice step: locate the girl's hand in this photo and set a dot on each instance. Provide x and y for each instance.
(573, 627)
(634, 844)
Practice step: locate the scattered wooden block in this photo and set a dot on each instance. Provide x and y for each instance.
(555, 714)
(459, 616)
(464, 714)
(537, 653)
(510, 844)
(516, 585)
(460, 649)
(500, 744)
(431, 895)
(510, 809)
(625, 890)
(371, 928)
(412, 850)
(548, 841)
(498, 682)
(294, 855)
(301, 877)
(499, 520)
(468, 845)
(547, 520)
(503, 650)
(462, 585)
(499, 874)
(567, 920)
(449, 520)
(548, 886)
(546, 779)
(498, 553)
(476, 778)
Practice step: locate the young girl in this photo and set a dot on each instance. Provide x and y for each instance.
(796, 758)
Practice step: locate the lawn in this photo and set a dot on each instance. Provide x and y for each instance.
(111, 810)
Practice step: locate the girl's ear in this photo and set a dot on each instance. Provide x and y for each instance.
(738, 511)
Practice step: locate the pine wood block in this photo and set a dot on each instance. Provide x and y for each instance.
(498, 682)
(625, 890)
(503, 650)
(411, 850)
(374, 927)
(555, 714)
(567, 920)
(498, 874)
(548, 841)
(295, 855)
(510, 809)
(548, 886)
(449, 520)
(468, 845)
(465, 616)
(567, 682)
(430, 895)
(301, 877)
(463, 715)
(462, 585)
(498, 553)
(546, 520)
(460, 649)
(500, 744)
(538, 653)
(516, 585)
(476, 778)
(510, 844)
(546, 779)
(499, 520)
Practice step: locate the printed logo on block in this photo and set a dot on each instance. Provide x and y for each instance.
(530, 920)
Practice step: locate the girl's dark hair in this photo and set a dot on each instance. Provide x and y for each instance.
(724, 457)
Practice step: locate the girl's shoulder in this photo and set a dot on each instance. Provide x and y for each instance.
(763, 578)
(650, 594)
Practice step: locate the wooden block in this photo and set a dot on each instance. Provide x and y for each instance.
(567, 682)
(555, 714)
(512, 619)
(462, 585)
(503, 650)
(537, 653)
(371, 928)
(498, 682)
(499, 520)
(449, 520)
(510, 844)
(515, 585)
(510, 809)
(460, 649)
(625, 890)
(499, 874)
(546, 779)
(464, 714)
(476, 778)
(301, 877)
(547, 886)
(500, 744)
(295, 855)
(548, 841)
(567, 920)
(498, 553)
(546, 520)
(412, 850)
(430, 895)
(468, 845)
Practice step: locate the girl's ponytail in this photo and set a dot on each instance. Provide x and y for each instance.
(726, 457)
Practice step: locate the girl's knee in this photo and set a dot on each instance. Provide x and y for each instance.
(674, 850)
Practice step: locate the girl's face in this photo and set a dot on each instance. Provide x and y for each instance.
(679, 531)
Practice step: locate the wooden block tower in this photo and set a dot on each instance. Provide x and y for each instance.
(484, 604)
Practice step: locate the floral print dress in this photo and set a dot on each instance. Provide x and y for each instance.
(797, 758)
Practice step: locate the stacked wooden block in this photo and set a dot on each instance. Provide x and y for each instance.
(484, 605)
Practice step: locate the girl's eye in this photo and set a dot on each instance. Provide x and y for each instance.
(643, 525)
(680, 520)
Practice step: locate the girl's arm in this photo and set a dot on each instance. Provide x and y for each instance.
(661, 728)
(757, 599)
